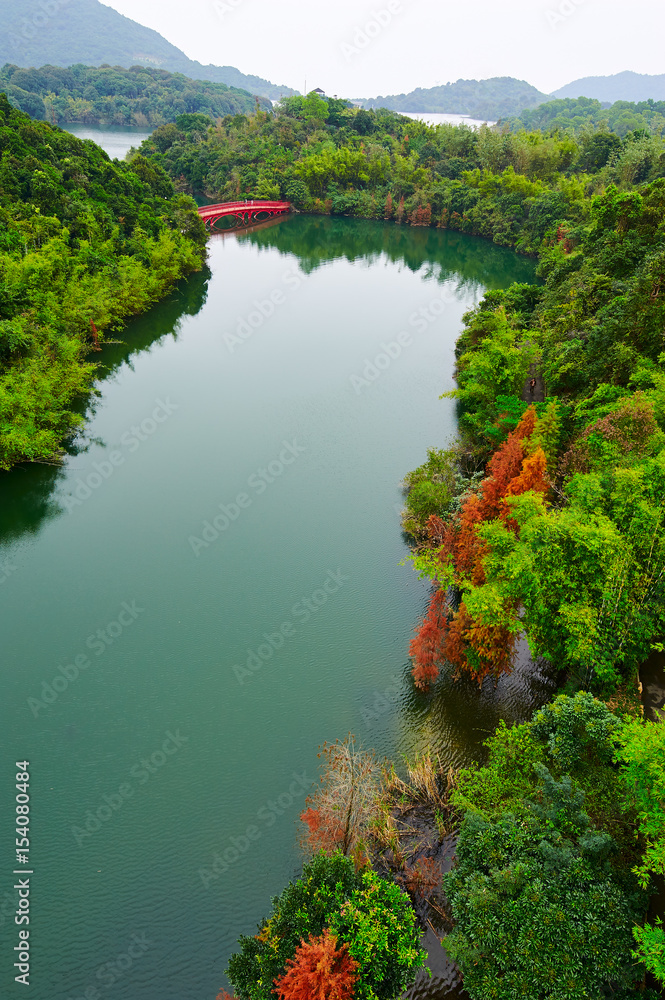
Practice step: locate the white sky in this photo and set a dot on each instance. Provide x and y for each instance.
(424, 42)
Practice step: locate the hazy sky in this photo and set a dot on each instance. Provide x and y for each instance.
(361, 49)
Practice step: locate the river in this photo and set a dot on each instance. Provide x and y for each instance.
(210, 586)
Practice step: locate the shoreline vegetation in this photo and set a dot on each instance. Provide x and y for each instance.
(85, 243)
(543, 518)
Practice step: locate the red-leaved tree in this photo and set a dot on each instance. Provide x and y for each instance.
(319, 971)
(476, 646)
(427, 645)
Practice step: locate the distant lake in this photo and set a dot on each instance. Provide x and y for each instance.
(116, 140)
(439, 119)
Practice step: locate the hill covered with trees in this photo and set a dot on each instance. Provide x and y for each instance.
(577, 114)
(66, 32)
(84, 243)
(482, 99)
(111, 95)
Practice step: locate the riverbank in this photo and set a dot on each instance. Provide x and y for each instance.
(171, 483)
(523, 441)
(544, 538)
(87, 243)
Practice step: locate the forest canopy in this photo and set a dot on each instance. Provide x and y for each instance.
(332, 159)
(583, 113)
(112, 95)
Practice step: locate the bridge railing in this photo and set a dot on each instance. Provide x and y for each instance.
(243, 210)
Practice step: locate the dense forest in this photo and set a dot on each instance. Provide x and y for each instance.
(115, 96)
(578, 114)
(84, 243)
(68, 32)
(545, 519)
(481, 99)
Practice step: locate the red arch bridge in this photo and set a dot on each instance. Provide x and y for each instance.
(245, 213)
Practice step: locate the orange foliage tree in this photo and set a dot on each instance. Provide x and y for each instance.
(426, 645)
(319, 971)
(470, 644)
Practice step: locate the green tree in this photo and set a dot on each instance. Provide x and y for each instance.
(536, 910)
(371, 915)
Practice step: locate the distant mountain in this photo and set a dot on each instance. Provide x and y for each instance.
(626, 86)
(483, 99)
(66, 32)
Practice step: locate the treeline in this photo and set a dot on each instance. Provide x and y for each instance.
(581, 113)
(84, 243)
(112, 95)
(327, 158)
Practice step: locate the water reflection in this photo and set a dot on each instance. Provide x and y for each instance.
(317, 239)
(27, 492)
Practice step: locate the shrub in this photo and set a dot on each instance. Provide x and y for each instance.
(537, 912)
(369, 914)
(578, 731)
(319, 971)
